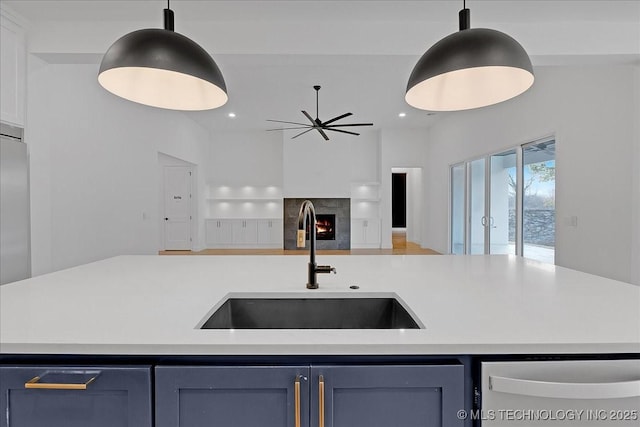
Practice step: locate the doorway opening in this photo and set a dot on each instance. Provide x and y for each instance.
(406, 207)
(399, 200)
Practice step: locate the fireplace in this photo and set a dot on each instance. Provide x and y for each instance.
(333, 223)
(325, 227)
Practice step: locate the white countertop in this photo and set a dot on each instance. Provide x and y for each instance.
(151, 305)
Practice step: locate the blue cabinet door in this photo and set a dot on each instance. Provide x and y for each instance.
(75, 396)
(232, 396)
(385, 396)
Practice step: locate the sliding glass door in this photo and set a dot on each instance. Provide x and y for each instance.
(504, 203)
(458, 206)
(477, 216)
(502, 208)
(539, 201)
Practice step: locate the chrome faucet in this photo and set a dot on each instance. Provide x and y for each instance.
(307, 210)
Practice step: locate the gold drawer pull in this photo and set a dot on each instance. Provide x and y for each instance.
(321, 401)
(35, 383)
(296, 394)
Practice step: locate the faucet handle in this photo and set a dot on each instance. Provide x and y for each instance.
(325, 269)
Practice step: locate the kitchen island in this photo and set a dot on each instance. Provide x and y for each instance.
(132, 324)
(467, 304)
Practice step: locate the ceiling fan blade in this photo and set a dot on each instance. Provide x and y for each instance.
(302, 133)
(342, 131)
(310, 118)
(298, 127)
(324, 135)
(337, 118)
(291, 123)
(350, 124)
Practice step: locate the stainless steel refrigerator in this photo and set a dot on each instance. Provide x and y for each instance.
(15, 238)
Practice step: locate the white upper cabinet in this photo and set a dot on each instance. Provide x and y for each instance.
(13, 70)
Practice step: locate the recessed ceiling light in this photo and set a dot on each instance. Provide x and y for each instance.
(402, 115)
(232, 115)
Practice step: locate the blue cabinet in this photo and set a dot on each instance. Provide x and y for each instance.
(237, 396)
(75, 396)
(309, 395)
(383, 396)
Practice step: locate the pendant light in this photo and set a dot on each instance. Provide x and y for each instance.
(162, 68)
(469, 69)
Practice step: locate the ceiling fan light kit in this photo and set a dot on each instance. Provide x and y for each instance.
(469, 69)
(164, 69)
(318, 124)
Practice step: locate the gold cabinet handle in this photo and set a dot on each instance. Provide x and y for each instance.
(35, 383)
(296, 398)
(321, 401)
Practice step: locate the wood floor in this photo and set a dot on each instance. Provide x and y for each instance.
(399, 240)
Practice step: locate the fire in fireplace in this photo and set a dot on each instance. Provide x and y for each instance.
(325, 227)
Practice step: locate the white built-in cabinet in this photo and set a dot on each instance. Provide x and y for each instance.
(244, 233)
(365, 233)
(13, 70)
(365, 215)
(270, 232)
(244, 217)
(219, 232)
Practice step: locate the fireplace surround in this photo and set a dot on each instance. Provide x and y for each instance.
(327, 209)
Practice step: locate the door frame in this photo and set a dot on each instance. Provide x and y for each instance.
(414, 206)
(163, 220)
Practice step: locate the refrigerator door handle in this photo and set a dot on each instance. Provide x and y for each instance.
(565, 390)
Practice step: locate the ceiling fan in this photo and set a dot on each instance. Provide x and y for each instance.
(318, 124)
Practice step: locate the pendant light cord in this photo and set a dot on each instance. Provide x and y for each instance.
(168, 18)
(464, 17)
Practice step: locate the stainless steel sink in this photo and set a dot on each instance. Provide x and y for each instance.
(311, 313)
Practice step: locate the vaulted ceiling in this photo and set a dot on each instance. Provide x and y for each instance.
(361, 52)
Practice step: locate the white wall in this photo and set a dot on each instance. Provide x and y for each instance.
(405, 148)
(593, 115)
(364, 157)
(245, 158)
(316, 168)
(94, 166)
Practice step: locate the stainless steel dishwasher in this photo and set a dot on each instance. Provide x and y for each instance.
(560, 393)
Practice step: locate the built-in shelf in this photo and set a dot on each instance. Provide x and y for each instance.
(244, 202)
(365, 199)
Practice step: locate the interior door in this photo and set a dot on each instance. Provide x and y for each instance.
(177, 208)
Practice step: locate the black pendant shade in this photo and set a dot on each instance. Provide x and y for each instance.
(162, 68)
(469, 69)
